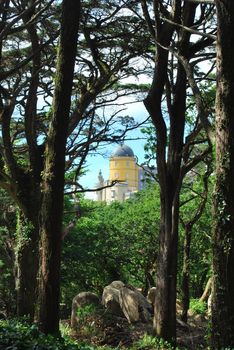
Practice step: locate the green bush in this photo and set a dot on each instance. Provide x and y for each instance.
(198, 306)
(148, 342)
(19, 335)
(86, 311)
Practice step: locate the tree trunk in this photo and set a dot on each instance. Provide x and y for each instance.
(206, 293)
(53, 182)
(223, 236)
(165, 301)
(26, 266)
(170, 139)
(27, 239)
(186, 274)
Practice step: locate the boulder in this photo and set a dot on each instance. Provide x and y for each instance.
(126, 301)
(134, 305)
(79, 301)
(151, 296)
(129, 304)
(110, 299)
(117, 284)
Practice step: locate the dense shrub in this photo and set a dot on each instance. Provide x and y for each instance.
(111, 242)
(199, 307)
(19, 335)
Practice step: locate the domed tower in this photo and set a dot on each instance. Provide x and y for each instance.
(123, 167)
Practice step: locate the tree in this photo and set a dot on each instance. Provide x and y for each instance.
(172, 35)
(20, 175)
(223, 236)
(51, 211)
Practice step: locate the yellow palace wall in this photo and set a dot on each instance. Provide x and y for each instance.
(124, 169)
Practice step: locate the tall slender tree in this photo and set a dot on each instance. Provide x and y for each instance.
(54, 171)
(174, 23)
(223, 236)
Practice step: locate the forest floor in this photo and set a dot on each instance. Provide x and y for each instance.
(106, 329)
(193, 335)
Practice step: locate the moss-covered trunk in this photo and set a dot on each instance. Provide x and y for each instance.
(223, 237)
(26, 266)
(26, 250)
(53, 178)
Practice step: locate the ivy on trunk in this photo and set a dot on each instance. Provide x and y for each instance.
(223, 235)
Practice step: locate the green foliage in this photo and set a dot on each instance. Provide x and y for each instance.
(85, 311)
(200, 264)
(19, 335)
(120, 241)
(198, 306)
(24, 228)
(149, 133)
(88, 318)
(110, 242)
(133, 87)
(148, 342)
(7, 241)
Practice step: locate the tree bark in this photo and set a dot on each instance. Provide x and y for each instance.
(27, 195)
(207, 291)
(166, 274)
(53, 181)
(26, 266)
(223, 235)
(186, 274)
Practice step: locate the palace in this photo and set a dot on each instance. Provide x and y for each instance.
(129, 176)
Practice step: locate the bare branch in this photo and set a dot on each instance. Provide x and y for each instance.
(202, 1)
(190, 30)
(82, 189)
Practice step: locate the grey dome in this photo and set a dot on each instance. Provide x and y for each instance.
(123, 151)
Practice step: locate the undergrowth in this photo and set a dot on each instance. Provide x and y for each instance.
(17, 334)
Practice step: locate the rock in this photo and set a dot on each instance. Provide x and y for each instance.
(151, 296)
(134, 305)
(80, 300)
(129, 304)
(126, 301)
(117, 284)
(110, 299)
